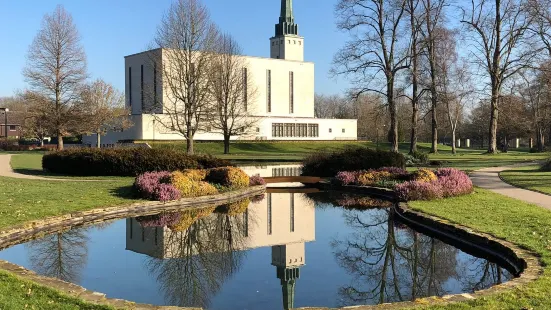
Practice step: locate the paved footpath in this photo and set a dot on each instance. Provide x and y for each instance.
(488, 178)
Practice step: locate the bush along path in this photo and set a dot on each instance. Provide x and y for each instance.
(489, 179)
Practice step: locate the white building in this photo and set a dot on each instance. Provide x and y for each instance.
(284, 101)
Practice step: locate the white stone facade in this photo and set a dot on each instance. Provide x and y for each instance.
(283, 105)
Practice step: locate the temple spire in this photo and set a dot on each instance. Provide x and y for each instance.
(286, 20)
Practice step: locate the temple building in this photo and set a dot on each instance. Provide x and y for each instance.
(283, 105)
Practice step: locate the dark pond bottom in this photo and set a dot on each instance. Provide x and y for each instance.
(288, 250)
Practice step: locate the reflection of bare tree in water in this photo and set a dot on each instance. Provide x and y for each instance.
(480, 274)
(391, 263)
(61, 255)
(201, 259)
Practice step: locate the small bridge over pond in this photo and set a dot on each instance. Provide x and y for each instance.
(296, 179)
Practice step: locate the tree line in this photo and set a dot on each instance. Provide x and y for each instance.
(477, 68)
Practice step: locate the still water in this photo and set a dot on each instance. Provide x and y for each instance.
(285, 250)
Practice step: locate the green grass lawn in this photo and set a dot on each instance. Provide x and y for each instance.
(509, 219)
(25, 200)
(529, 177)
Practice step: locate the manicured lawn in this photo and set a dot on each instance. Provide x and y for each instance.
(26, 200)
(529, 177)
(509, 219)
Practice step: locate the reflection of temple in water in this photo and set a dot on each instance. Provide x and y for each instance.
(282, 221)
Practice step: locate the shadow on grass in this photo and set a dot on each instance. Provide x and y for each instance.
(126, 192)
(37, 172)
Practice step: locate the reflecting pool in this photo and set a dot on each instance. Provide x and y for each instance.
(279, 251)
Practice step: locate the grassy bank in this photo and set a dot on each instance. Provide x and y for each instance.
(509, 219)
(529, 177)
(25, 200)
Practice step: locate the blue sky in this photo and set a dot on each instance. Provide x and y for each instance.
(111, 29)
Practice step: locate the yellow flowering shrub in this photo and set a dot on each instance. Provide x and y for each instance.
(424, 175)
(189, 217)
(372, 177)
(195, 174)
(190, 188)
(230, 177)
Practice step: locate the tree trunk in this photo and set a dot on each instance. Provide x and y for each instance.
(98, 141)
(189, 146)
(393, 130)
(59, 141)
(413, 138)
(540, 139)
(434, 127)
(226, 144)
(492, 137)
(42, 142)
(454, 150)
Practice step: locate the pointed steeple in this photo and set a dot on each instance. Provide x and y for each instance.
(286, 20)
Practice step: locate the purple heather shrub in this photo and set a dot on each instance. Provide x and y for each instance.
(450, 183)
(256, 180)
(166, 192)
(414, 190)
(160, 220)
(156, 186)
(346, 177)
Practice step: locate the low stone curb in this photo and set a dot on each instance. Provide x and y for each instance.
(522, 261)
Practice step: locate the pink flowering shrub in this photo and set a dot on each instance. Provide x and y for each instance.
(258, 198)
(256, 180)
(156, 186)
(159, 220)
(346, 177)
(449, 183)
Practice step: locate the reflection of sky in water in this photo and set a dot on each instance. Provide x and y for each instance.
(107, 266)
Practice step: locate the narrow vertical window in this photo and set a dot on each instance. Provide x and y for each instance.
(291, 92)
(141, 85)
(269, 214)
(292, 213)
(130, 86)
(155, 83)
(245, 88)
(246, 223)
(269, 90)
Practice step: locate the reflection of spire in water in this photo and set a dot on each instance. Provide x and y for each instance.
(288, 259)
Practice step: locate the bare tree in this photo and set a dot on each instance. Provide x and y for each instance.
(56, 69)
(433, 13)
(453, 80)
(104, 108)
(498, 31)
(232, 90)
(36, 123)
(377, 50)
(187, 39)
(415, 27)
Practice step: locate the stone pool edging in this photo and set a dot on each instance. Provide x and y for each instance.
(34, 229)
(512, 254)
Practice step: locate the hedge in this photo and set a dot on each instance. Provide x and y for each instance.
(124, 162)
(328, 164)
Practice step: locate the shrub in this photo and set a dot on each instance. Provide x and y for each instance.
(357, 202)
(124, 162)
(190, 188)
(449, 183)
(195, 174)
(346, 177)
(258, 198)
(423, 175)
(159, 220)
(415, 190)
(149, 186)
(373, 177)
(328, 164)
(230, 177)
(256, 180)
